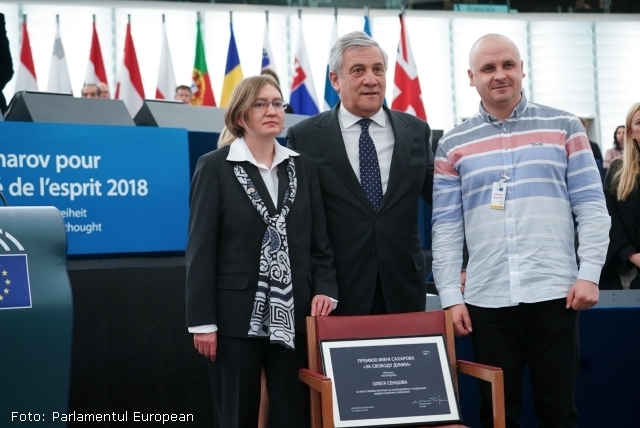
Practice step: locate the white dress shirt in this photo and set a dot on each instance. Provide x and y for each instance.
(239, 152)
(381, 133)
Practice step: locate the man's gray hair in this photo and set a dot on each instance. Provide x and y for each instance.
(353, 40)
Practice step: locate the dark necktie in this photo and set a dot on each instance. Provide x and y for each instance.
(369, 167)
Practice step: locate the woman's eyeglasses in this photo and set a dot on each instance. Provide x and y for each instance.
(262, 104)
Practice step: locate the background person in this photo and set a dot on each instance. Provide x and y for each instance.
(508, 180)
(183, 94)
(242, 288)
(225, 138)
(618, 147)
(623, 203)
(597, 154)
(270, 72)
(104, 90)
(90, 90)
(374, 165)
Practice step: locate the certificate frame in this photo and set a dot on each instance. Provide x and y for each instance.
(409, 381)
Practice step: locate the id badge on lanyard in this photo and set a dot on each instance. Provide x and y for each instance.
(498, 193)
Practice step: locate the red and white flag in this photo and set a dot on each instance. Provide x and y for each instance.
(166, 78)
(407, 96)
(95, 67)
(26, 76)
(129, 88)
(59, 80)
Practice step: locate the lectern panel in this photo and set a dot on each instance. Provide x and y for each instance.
(64, 108)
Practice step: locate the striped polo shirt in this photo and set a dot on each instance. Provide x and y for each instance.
(524, 252)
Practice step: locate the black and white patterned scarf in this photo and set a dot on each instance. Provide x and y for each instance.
(272, 314)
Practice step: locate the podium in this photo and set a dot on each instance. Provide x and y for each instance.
(36, 316)
(173, 114)
(51, 107)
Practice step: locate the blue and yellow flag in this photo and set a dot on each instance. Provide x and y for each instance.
(15, 291)
(233, 71)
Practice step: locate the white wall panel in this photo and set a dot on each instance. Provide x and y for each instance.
(618, 48)
(562, 69)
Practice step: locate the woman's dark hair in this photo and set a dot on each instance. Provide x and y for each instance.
(615, 139)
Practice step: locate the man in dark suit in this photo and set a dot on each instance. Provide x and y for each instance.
(374, 164)
(6, 65)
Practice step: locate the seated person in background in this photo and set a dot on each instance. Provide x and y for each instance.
(90, 90)
(623, 203)
(104, 90)
(270, 72)
(618, 147)
(183, 93)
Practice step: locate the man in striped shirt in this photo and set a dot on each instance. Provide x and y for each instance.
(508, 180)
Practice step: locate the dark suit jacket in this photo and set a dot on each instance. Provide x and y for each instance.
(367, 243)
(624, 235)
(6, 65)
(225, 238)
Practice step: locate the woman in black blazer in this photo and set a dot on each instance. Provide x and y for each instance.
(622, 194)
(258, 261)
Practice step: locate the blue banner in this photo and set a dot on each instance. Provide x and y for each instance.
(119, 189)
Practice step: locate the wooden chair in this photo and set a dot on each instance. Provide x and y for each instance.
(378, 326)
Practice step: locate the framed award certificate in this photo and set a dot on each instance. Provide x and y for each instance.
(390, 381)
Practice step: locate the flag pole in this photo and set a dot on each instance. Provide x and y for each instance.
(300, 14)
(129, 19)
(163, 18)
(231, 17)
(266, 14)
(57, 19)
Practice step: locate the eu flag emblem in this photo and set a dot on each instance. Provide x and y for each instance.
(15, 291)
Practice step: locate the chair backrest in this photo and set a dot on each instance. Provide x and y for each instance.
(376, 326)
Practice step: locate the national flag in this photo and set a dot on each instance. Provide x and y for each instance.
(267, 53)
(129, 88)
(232, 72)
(26, 76)
(331, 97)
(59, 80)
(367, 30)
(367, 26)
(15, 290)
(201, 85)
(303, 93)
(407, 96)
(95, 67)
(166, 86)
